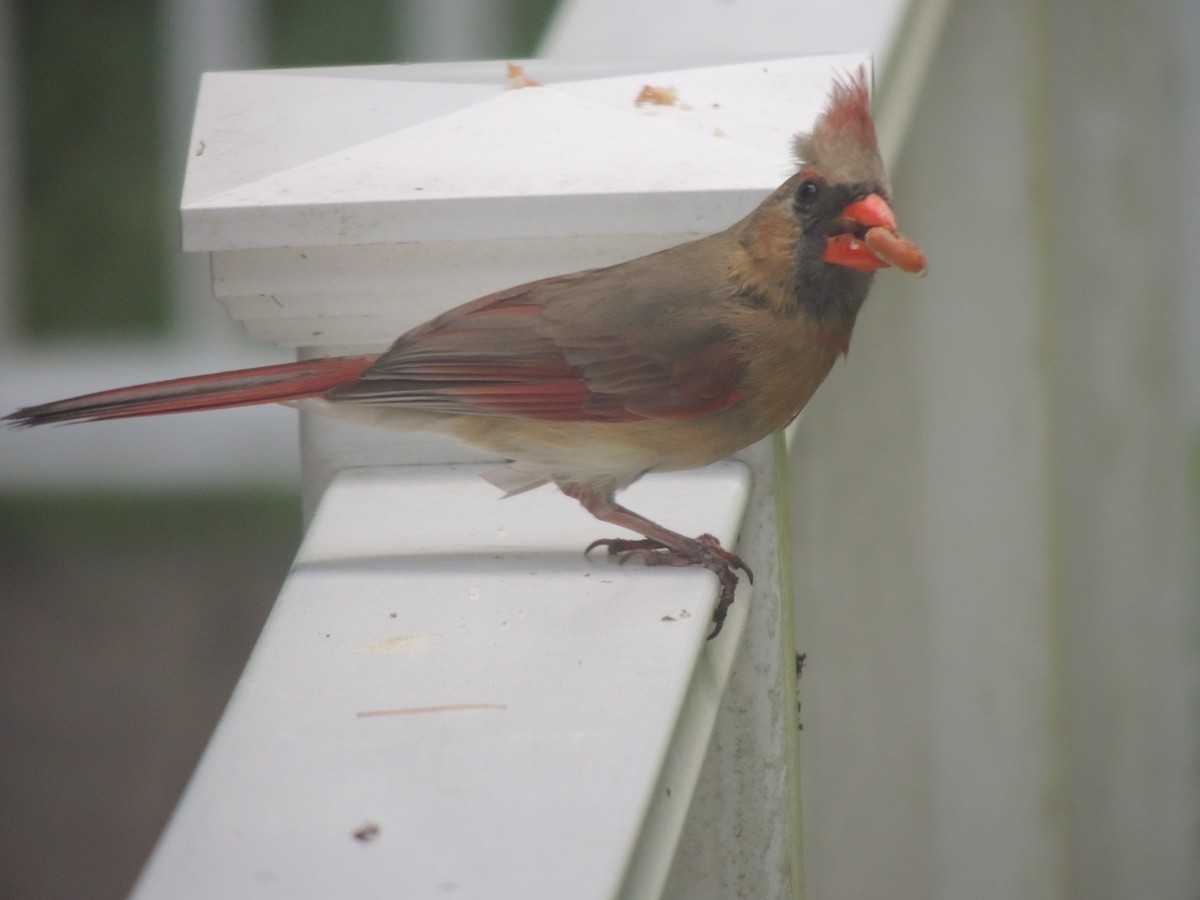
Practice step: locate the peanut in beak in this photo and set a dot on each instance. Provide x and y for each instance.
(896, 250)
(865, 237)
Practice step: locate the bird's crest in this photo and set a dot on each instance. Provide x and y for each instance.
(842, 144)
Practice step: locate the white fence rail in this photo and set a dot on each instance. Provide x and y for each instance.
(446, 699)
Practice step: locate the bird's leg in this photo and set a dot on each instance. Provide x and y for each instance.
(663, 547)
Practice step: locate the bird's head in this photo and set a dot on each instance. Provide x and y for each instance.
(841, 191)
(830, 225)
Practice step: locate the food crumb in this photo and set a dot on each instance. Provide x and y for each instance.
(518, 79)
(658, 96)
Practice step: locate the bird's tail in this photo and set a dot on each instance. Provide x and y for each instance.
(242, 387)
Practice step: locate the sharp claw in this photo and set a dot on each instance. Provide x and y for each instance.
(711, 555)
(720, 612)
(732, 559)
(728, 588)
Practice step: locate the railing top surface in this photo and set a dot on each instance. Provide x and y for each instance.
(384, 154)
(495, 718)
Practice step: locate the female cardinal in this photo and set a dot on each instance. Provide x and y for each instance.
(590, 380)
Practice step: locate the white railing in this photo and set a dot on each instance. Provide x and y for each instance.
(447, 699)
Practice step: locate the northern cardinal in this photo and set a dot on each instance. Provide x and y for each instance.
(590, 380)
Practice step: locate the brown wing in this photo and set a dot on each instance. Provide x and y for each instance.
(594, 346)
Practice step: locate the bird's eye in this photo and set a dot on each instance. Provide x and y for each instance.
(807, 192)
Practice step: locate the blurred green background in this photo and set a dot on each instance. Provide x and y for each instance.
(125, 618)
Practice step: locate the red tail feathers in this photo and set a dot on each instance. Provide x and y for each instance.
(243, 387)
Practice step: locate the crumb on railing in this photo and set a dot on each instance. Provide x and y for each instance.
(657, 96)
(518, 79)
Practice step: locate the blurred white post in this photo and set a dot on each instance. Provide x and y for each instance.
(437, 30)
(1118, 257)
(995, 551)
(214, 35)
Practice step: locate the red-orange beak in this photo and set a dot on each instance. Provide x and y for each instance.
(870, 240)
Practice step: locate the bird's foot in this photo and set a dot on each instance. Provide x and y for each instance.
(704, 551)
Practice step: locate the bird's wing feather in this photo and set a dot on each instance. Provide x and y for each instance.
(562, 349)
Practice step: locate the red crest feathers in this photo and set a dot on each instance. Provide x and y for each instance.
(848, 114)
(842, 142)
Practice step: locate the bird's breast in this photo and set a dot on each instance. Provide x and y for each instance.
(787, 358)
